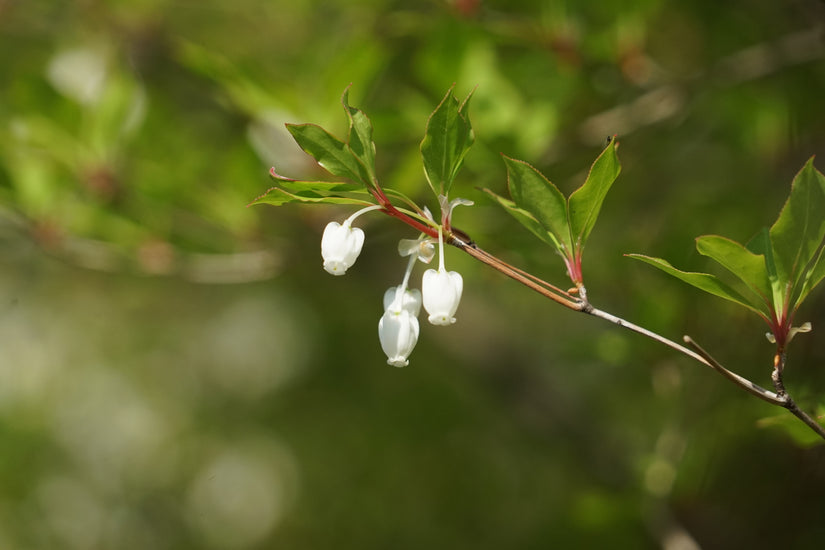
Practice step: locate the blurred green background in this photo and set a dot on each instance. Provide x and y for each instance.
(177, 371)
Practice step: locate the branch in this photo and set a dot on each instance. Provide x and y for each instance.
(781, 398)
(760, 392)
(790, 404)
(530, 281)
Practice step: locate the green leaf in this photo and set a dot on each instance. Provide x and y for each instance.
(761, 244)
(586, 202)
(815, 276)
(360, 138)
(744, 264)
(317, 192)
(798, 233)
(703, 281)
(278, 196)
(447, 139)
(526, 219)
(331, 153)
(320, 186)
(534, 193)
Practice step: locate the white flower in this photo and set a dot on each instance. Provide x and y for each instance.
(422, 248)
(340, 246)
(409, 300)
(398, 333)
(441, 291)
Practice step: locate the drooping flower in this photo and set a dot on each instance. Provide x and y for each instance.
(341, 243)
(398, 327)
(441, 290)
(340, 247)
(398, 333)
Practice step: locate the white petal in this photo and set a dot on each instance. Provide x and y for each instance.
(411, 300)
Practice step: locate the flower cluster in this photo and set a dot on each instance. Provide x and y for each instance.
(398, 327)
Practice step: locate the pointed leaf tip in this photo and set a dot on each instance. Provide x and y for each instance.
(585, 203)
(360, 138)
(447, 140)
(798, 234)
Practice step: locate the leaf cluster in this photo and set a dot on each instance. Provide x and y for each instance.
(778, 268)
(353, 159)
(562, 222)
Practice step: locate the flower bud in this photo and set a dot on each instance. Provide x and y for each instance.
(340, 247)
(441, 292)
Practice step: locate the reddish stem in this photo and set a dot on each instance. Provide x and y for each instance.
(574, 268)
(391, 210)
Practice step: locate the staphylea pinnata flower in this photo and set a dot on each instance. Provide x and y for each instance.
(340, 247)
(341, 244)
(398, 327)
(441, 291)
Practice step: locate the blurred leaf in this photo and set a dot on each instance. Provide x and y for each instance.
(798, 233)
(332, 154)
(703, 281)
(584, 204)
(747, 266)
(360, 138)
(118, 115)
(534, 194)
(447, 139)
(801, 434)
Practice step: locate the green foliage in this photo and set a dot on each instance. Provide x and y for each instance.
(524, 217)
(353, 159)
(447, 139)
(519, 408)
(360, 141)
(779, 266)
(289, 190)
(335, 156)
(535, 194)
(704, 281)
(585, 202)
(565, 223)
(797, 235)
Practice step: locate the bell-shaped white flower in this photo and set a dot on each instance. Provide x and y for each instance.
(341, 243)
(398, 333)
(441, 292)
(340, 247)
(398, 327)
